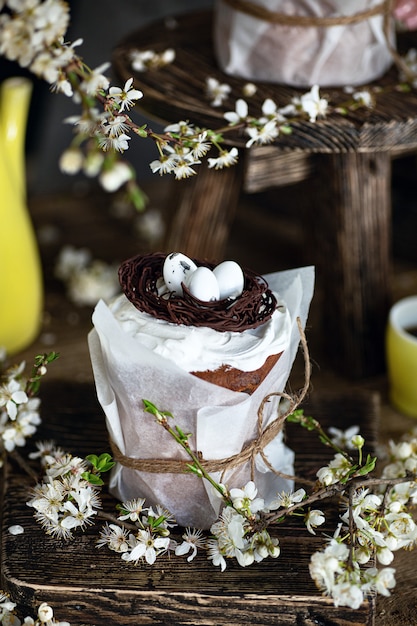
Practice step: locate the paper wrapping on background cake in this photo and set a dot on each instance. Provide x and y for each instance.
(221, 421)
(302, 56)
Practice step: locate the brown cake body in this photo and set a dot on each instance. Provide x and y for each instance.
(237, 380)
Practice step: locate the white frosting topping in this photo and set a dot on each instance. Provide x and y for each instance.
(196, 349)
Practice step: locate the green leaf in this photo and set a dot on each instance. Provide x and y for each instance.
(369, 466)
(93, 479)
(151, 408)
(93, 459)
(295, 416)
(141, 131)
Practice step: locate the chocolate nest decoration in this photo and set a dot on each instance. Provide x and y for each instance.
(139, 276)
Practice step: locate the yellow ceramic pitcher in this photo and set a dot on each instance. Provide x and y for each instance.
(21, 286)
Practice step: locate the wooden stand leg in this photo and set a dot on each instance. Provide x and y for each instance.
(353, 240)
(205, 206)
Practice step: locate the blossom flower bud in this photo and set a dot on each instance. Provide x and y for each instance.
(71, 161)
(325, 476)
(45, 613)
(249, 89)
(357, 441)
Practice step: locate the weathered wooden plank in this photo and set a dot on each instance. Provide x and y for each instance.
(90, 586)
(353, 205)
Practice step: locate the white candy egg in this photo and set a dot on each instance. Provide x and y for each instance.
(177, 267)
(230, 279)
(202, 284)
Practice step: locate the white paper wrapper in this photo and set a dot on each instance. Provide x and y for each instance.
(303, 56)
(220, 420)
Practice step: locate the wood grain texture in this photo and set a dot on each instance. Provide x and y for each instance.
(91, 586)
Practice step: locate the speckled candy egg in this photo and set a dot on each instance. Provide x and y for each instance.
(230, 279)
(177, 268)
(202, 284)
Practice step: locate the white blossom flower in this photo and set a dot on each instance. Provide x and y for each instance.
(215, 553)
(165, 164)
(343, 438)
(263, 545)
(132, 509)
(312, 104)
(7, 607)
(158, 511)
(287, 499)
(145, 546)
(118, 143)
(70, 261)
(382, 580)
(112, 178)
(262, 134)
(326, 565)
(114, 537)
(240, 113)
(125, 97)
(313, 519)
(200, 146)
(347, 594)
(96, 282)
(25, 424)
(217, 92)
(182, 128)
(225, 159)
(11, 396)
(364, 97)
(52, 19)
(96, 81)
(193, 539)
(229, 531)
(142, 60)
(245, 499)
(401, 530)
(366, 501)
(80, 515)
(183, 166)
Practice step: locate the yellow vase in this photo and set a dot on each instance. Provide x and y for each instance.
(21, 288)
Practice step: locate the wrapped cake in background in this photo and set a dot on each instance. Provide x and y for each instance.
(138, 353)
(283, 41)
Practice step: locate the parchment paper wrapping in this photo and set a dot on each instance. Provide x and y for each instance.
(221, 420)
(303, 56)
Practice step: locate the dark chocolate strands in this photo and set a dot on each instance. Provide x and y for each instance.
(139, 276)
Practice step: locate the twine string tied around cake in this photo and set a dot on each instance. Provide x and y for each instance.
(249, 453)
(384, 8)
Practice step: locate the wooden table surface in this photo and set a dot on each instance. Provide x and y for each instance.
(86, 221)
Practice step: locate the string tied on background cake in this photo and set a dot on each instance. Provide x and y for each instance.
(307, 42)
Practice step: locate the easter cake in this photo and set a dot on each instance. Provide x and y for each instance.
(219, 323)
